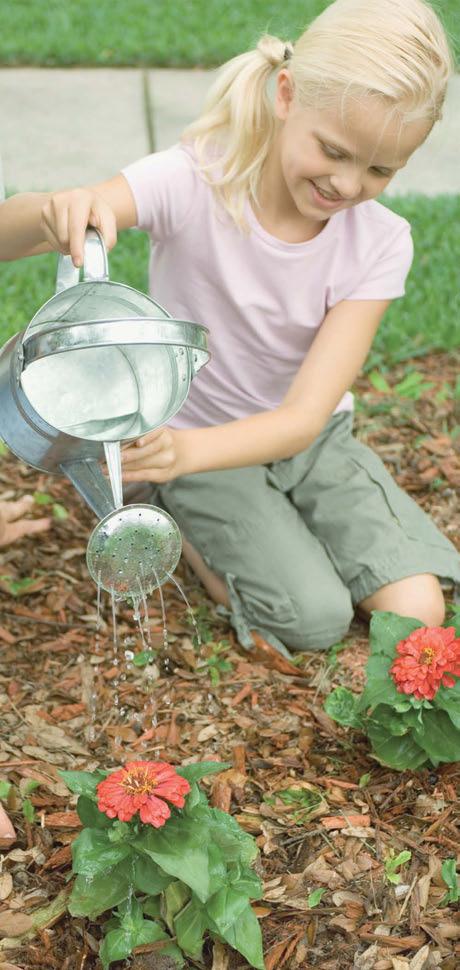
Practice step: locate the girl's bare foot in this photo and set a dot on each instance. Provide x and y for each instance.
(7, 833)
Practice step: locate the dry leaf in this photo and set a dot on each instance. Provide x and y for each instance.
(418, 961)
(14, 924)
(6, 885)
(366, 960)
(220, 957)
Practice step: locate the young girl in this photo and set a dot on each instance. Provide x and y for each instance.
(265, 230)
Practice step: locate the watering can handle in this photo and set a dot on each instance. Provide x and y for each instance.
(95, 263)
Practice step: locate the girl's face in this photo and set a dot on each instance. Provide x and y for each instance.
(332, 159)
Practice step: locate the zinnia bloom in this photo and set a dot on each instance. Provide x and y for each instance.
(141, 787)
(426, 660)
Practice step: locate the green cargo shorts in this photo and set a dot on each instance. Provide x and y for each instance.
(300, 541)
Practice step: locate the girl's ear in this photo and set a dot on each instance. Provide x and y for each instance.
(284, 94)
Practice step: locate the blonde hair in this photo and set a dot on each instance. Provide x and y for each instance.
(396, 50)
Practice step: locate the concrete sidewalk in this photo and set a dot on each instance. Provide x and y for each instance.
(67, 127)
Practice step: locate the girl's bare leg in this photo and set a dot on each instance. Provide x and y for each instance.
(212, 583)
(418, 596)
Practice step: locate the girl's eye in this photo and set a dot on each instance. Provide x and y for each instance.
(382, 172)
(331, 152)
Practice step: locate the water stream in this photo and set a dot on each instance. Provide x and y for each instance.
(113, 460)
(189, 608)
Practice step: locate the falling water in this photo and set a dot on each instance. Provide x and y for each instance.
(137, 617)
(189, 608)
(113, 460)
(116, 661)
(163, 611)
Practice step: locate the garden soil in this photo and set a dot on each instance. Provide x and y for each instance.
(264, 715)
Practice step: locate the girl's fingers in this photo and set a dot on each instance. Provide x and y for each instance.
(14, 510)
(13, 531)
(79, 218)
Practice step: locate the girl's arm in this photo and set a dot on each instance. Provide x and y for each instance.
(329, 369)
(40, 222)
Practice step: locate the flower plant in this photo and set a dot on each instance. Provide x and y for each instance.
(410, 707)
(170, 868)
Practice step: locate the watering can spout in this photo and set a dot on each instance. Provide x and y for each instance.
(87, 477)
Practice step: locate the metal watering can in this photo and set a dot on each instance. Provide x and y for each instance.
(100, 362)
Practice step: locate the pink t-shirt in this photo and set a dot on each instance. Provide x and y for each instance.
(262, 299)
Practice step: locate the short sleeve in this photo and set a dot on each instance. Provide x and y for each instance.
(164, 188)
(386, 275)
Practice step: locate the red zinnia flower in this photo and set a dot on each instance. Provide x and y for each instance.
(141, 787)
(427, 658)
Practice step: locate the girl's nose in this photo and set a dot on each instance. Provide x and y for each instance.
(348, 185)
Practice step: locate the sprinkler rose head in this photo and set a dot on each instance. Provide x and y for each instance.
(133, 550)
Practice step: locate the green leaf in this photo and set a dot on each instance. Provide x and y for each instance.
(115, 946)
(94, 853)
(90, 815)
(438, 737)
(364, 779)
(144, 657)
(234, 843)
(397, 753)
(181, 849)
(59, 512)
(243, 935)
(93, 896)
(28, 785)
(387, 629)
(449, 875)
(202, 769)
(176, 895)
(28, 810)
(225, 907)
(148, 877)
(189, 926)
(5, 789)
(315, 897)
(246, 881)
(83, 782)
(393, 863)
(152, 906)
(342, 706)
(41, 498)
(448, 700)
(3, 449)
(379, 382)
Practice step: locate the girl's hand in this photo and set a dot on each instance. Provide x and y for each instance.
(12, 524)
(156, 457)
(66, 216)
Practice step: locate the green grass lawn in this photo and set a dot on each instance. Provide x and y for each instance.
(156, 32)
(428, 318)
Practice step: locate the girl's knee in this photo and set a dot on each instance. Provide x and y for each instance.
(306, 622)
(418, 596)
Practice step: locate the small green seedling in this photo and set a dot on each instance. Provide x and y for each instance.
(215, 662)
(17, 586)
(5, 787)
(304, 801)
(144, 657)
(364, 780)
(393, 863)
(203, 621)
(449, 875)
(28, 810)
(315, 898)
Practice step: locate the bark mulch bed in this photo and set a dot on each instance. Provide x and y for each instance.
(58, 684)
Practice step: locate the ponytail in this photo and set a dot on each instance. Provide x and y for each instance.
(233, 135)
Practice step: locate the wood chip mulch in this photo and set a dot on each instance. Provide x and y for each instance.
(59, 682)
